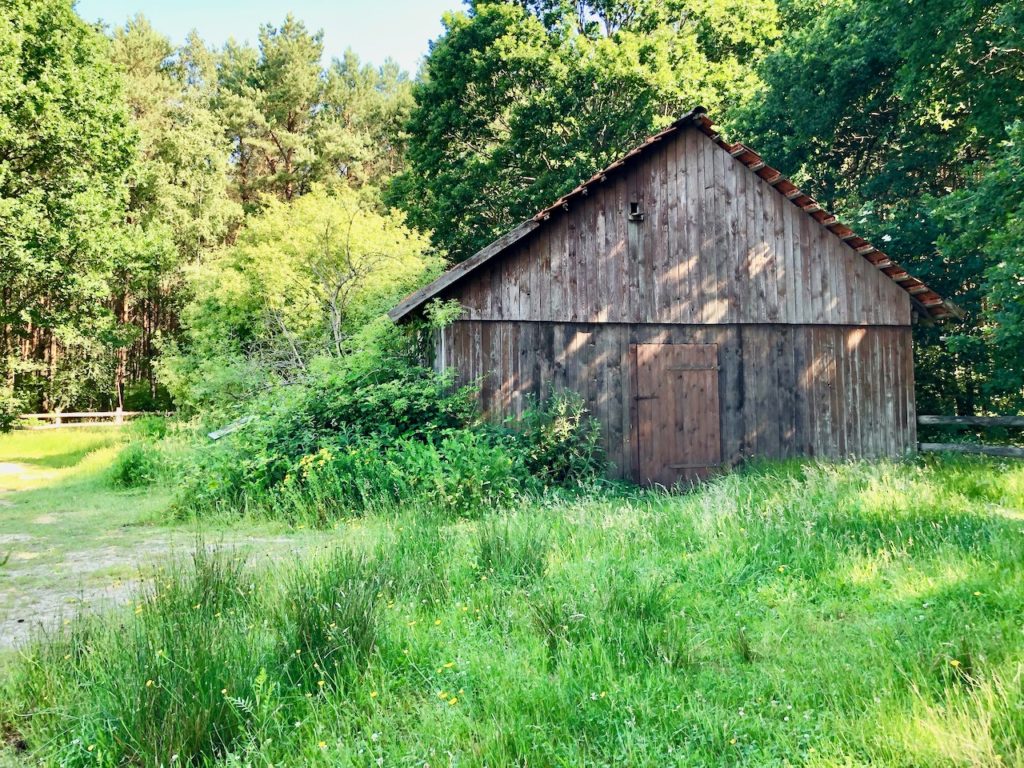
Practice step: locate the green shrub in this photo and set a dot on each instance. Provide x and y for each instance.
(10, 408)
(137, 465)
(149, 427)
(560, 441)
(376, 430)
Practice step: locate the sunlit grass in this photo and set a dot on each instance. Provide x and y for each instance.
(801, 614)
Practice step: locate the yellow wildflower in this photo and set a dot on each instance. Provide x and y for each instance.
(322, 745)
(373, 694)
(149, 683)
(453, 700)
(954, 663)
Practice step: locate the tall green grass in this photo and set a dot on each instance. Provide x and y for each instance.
(797, 614)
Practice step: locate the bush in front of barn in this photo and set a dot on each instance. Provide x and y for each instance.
(377, 429)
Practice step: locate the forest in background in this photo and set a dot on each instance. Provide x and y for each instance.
(191, 226)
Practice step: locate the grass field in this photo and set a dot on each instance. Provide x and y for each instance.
(800, 614)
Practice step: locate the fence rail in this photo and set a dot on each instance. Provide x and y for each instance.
(1006, 451)
(972, 421)
(79, 418)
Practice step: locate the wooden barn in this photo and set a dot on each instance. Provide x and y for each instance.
(706, 309)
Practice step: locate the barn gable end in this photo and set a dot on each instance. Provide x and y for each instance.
(713, 243)
(743, 244)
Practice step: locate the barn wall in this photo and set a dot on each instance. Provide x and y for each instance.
(718, 245)
(812, 390)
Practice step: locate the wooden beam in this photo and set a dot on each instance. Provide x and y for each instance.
(414, 300)
(973, 421)
(1006, 451)
(922, 310)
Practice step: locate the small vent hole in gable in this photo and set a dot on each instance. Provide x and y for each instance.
(635, 214)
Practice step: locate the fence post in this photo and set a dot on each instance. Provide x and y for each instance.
(118, 416)
(56, 419)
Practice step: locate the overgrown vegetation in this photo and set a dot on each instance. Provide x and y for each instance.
(376, 430)
(806, 614)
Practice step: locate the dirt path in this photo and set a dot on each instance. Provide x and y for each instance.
(72, 542)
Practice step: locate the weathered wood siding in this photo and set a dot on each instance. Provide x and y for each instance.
(784, 391)
(718, 245)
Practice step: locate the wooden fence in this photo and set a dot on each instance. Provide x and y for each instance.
(973, 421)
(80, 419)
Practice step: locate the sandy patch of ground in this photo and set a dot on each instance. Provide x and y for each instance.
(42, 596)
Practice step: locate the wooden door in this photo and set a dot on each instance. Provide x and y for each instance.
(677, 425)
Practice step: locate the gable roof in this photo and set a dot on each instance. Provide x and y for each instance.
(926, 302)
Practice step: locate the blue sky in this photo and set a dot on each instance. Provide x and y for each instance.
(375, 29)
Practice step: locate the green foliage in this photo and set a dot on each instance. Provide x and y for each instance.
(983, 225)
(375, 429)
(138, 464)
(125, 162)
(298, 282)
(292, 125)
(149, 456)
(149, 427)
(560, 441)
(520, 101)
(10, 409)
(821, 614)
(65, 149)
(880, 112)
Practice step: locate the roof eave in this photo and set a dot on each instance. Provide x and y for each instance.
(417, 299)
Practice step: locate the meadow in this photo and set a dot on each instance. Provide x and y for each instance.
(787, 614)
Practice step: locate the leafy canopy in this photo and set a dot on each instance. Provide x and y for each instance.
(519, 101)
(883, 111)
(301, 278)
(65, 149)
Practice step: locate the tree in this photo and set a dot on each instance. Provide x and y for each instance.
(178, 196)
(521, 100)
(370, 107)
(983, 226)
(293, 125)
(65, 148)
(882, 112)
(301, 277)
